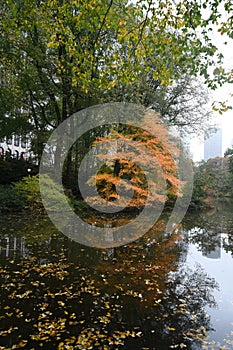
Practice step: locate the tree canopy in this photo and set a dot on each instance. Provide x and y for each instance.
(58, 57)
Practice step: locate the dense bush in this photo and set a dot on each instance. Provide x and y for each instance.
(29, 189)
(25, 194)
(13, 170)
(10, 199)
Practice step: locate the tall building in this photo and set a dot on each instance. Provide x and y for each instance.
(213, 146)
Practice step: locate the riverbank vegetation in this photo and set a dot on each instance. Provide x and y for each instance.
(213, 182)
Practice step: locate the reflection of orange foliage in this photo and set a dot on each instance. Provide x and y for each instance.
(153, 151)
(140, 269)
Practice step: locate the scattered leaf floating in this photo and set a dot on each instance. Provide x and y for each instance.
(61, 295)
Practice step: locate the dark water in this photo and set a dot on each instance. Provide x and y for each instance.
(164, 291)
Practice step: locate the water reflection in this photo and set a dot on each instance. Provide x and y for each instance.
(57, 293)
(209, 236)
(12, 246)
(211, 231)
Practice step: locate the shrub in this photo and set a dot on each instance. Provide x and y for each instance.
(29, 189)
(13, 170)
(25, 194)
(10, 199)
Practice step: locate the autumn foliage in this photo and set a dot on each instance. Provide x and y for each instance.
(144, 162)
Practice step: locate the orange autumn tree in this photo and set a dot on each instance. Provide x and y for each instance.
(143, 161)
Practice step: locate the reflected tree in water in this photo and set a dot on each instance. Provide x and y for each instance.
(135, 296)
(211, 230)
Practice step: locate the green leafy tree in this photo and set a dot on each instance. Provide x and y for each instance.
(228, 154)
(61, 56)
(182, 105)
(212, 181)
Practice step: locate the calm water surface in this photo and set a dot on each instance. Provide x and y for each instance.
(164, 291)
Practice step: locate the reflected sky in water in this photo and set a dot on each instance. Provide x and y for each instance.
(220, 267)
(210, 245)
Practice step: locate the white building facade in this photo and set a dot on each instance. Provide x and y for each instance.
(15, 146)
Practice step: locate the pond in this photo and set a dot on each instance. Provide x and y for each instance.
(163, 291)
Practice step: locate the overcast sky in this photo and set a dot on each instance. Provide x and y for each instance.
(221, 94)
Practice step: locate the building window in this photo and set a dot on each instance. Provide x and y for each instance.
(16, 140)
(9, 141)
(23, 142)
